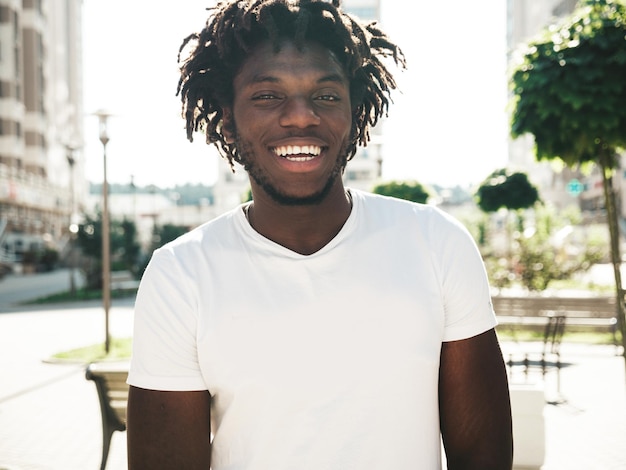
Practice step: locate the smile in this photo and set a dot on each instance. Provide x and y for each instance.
(298, 153)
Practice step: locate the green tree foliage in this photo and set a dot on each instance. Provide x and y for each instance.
(124, 250)
(408, 190)
(569, 90)
(540, 259)
(552, 248)
(569, 86)
(127, 254)
(506, 189)
(166, 233)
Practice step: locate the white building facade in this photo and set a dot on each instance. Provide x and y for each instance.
(41, 166)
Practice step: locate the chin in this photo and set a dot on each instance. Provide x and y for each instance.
(297, 199)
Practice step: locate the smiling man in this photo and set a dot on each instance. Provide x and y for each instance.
(316, 327)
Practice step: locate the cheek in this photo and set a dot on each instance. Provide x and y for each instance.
(349, 126)
(247, 123)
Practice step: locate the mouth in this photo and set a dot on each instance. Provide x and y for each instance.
(298, 153)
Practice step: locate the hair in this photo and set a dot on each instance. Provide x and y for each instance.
(235, 27)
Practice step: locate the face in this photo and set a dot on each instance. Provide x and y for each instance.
(291, 121)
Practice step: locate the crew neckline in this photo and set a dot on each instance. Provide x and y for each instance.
(266, 243)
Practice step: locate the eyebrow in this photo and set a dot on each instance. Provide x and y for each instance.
(331, 77)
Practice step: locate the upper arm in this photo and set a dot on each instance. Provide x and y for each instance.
(168, 430)
(474, 405)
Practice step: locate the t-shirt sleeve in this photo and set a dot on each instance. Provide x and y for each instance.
(164, 355)
(466, 292)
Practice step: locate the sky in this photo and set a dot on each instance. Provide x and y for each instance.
(447, 126)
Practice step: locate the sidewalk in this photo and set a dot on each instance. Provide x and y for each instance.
(17, 288)
(50, 417)
(49, 413)
(587, 429)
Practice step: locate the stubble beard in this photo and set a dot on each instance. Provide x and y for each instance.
(248, 160)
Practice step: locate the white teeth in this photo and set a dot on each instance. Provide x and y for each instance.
(286, 151)
(299, 159)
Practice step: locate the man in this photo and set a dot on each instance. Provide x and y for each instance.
(315, 327)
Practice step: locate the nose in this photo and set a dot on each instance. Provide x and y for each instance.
(299, 112)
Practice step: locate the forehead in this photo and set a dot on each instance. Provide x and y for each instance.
(312, 61)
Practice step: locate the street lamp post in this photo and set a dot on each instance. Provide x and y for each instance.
(106, 232)
(73, 229)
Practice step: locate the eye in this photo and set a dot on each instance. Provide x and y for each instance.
(264, 96)
(327, 97)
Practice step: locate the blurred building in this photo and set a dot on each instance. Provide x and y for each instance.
(41, 164)
(365, 169)
(151, 210)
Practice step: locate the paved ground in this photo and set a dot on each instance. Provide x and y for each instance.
(586, 430)
(50, 420)
(49, 413)
(18, 288)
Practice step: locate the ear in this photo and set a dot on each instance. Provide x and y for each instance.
(228, 125)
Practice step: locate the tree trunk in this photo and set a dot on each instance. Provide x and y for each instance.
(616, 259)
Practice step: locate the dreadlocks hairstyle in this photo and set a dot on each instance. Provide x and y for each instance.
(236, 27)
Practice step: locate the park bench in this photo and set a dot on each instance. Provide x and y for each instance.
(553, 315)
(598, 313)
(123, 280)
(548, 357)
(110, 380)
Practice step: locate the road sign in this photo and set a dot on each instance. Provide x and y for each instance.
(575, 187)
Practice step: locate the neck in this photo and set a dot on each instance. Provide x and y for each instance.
(304, 229)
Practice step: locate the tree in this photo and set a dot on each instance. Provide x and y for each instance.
(127, 254)
(542, 254)
(408, 190)
(503, 188)
(162, 234)
(124, 248)
(509, 190)
(569, 92)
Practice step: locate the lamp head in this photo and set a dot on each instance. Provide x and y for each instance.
(103, 117)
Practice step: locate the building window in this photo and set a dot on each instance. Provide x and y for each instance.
(358, 175)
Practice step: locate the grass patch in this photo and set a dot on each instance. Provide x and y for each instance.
(79, 295)
(120, 349)
(581, 337)
(575, 284)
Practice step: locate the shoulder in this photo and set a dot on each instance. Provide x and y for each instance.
(220, 228)
(183, 255)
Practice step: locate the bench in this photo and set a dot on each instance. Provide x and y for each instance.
(549, 357)
(553, 315)
(598, 313)
(110, 380)
(123, 280)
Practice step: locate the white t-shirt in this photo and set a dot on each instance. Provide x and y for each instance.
(324, 362)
